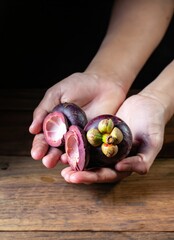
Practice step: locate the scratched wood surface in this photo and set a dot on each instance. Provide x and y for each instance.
(34, 198)
(87, 235)
(36, 203)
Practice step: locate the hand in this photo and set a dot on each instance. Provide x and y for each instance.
(145, 117)
(96, 95)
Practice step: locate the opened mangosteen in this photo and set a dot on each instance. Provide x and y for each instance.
(101, 142)
(77, 148)
(57, 122)
(74, 114)
(105, 140)
(55, 125)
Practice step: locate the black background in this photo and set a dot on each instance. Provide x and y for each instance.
(45, 41)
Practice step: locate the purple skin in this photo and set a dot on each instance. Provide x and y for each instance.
(82, 156)
(68, 122)
(74, 114)
(57, 122)
(98, 159)
(76, 148)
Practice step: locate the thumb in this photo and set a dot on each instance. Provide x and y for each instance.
(140, 163)
(46, 105)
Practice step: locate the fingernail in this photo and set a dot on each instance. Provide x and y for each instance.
(73, 178)
(65, 176)
(62, 173)
(117, 167)
(32, 125)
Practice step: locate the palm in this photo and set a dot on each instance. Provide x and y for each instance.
(95, 98)
(95, 95)
(145, 118)
(144, 115)
(147, 126)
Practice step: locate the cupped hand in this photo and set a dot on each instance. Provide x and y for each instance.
(96, 95)
(145, 117)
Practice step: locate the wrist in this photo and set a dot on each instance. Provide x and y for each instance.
(107, 82)
(161, 101)
(161, 89)
(114, 70)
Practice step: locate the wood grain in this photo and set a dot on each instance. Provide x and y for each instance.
(87, 235)
(33, 198)
(36, 203)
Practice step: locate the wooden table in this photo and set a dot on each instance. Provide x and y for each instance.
(36, 203)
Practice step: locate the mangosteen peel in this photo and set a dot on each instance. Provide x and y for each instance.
(100, 142)
(57, 122)
(110, 140)
(74, 114)
(76, 148)
(55, 125)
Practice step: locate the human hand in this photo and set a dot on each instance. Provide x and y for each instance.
(145, 117)
(96, 95)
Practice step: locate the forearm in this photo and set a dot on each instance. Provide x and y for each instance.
(135, 30)
(161, 89)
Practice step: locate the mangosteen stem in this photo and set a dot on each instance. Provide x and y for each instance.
(108, 139)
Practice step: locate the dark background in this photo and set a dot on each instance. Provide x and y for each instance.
(45, 41)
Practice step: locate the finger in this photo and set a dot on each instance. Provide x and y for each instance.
(142, 161)
(36, 125)
(136, 164)
(78, 177)
(52, 157)
(38, 117)
(64, 158)
(39, 147)
(49, 101)
(103, 175)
